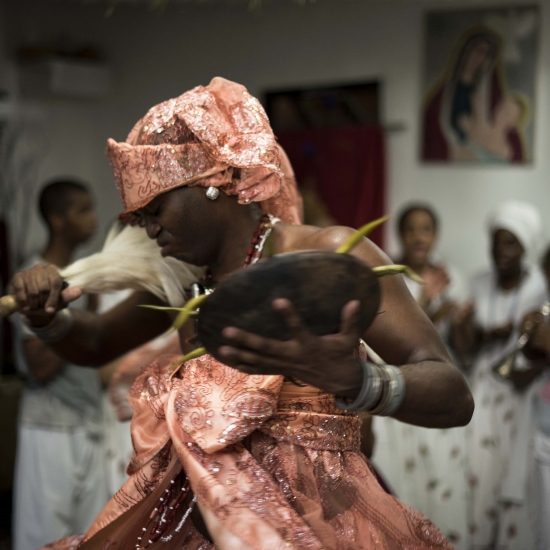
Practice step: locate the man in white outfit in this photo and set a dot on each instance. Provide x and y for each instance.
(59, 478)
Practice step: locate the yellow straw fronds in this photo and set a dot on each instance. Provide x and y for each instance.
(191, 355)
(355, 239)
(384, 270)
(163, 308)
(188, 310)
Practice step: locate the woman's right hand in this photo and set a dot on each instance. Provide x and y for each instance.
(464, 335)
(40, 294)
(538, 345)
(436, 280)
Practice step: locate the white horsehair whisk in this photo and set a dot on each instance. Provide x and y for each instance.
(129, 259)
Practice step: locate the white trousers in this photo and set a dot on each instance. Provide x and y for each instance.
(60, 485)
(117, 447)
(542, 490)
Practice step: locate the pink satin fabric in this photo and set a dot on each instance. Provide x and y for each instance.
(278, 465)
(132, 365)
(212, 136)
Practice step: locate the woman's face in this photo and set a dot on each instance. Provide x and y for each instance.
(180, 222)
(507, 253)
(476, 58)
(418, 237)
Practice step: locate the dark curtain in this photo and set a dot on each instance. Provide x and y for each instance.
(347, 166)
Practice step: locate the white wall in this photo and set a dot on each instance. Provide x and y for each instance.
(159, 55)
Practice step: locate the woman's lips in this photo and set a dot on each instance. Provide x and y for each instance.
(163, 247)
(420, 251)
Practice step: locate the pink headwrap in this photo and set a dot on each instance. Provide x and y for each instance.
(227, 142)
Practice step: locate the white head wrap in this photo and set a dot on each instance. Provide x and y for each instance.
(523, 220)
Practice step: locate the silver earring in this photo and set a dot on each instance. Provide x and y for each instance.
(212, 193)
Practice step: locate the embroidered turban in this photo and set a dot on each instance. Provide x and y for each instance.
(213, 136)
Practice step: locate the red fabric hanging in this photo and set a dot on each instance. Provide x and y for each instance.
(348, 167)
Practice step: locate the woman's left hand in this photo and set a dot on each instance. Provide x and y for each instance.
(436, 281)
(326, 362)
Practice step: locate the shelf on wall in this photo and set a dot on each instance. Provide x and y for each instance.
(64, 77)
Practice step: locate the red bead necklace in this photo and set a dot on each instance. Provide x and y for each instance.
(175, 494)
(254, 252)
(258, 240)
(166, 512)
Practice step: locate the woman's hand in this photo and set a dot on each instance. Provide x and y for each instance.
(464, 315)
(464, 336)
(436, 395)
(436, 281)
(40, 294)
(540, 339)
(538, 345)
(326, 362)
(522, 379)
(498, 333)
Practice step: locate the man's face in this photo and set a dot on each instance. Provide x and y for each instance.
(80, 220)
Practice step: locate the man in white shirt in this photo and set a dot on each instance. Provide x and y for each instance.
(59, 478)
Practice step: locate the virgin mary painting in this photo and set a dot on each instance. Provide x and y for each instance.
(470, 114)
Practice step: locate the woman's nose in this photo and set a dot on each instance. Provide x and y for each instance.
(152, 228)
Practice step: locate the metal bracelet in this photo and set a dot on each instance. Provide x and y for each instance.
(395, 394)
(382, 392)
(56, 329)
(370, 393)
(385, 393)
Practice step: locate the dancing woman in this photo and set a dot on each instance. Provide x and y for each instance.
(270, 464)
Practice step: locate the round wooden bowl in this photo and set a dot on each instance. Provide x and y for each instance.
(318, 283)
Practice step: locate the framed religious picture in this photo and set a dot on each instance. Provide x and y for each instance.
(479, 85)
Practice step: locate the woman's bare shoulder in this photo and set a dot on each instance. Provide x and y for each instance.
(292, 238)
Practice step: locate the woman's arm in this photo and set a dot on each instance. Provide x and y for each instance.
(98, 339)
(92, 339)
(436, 393)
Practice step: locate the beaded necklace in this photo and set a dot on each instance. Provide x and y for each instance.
(165, 512)
(254, 252)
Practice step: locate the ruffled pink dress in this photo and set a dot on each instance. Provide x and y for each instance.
(277, 465)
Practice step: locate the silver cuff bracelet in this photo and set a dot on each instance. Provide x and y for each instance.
(382, 392)
(56, 329)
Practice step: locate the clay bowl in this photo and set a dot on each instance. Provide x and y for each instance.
(318, 283)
